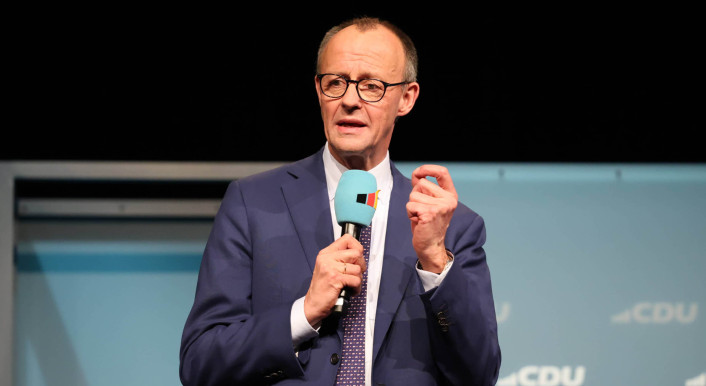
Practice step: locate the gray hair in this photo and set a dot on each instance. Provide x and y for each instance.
(367, 23)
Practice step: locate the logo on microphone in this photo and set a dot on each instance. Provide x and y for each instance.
(369, 199)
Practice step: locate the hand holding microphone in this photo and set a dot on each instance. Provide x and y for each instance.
(339, 267)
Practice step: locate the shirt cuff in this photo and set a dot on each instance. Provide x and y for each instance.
(301, 329)
(431, 280)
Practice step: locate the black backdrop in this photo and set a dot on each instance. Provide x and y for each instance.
(530, 85)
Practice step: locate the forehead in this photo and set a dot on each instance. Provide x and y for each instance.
(374, 52)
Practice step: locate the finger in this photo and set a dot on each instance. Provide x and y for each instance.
(418, 212)
(420, 203)
(349, 242)
(439, 172)
(353, 282)
(413, 210)
(430, 197)
(429, 188)
(342, 243)
(362, 263)
(352, 269)
(348, 256)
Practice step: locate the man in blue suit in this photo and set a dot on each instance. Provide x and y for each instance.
(274, 267)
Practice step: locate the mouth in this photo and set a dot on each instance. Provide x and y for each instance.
(350, 123)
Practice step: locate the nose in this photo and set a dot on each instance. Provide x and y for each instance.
(350, 99)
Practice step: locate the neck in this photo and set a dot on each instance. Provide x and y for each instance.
(357, 161)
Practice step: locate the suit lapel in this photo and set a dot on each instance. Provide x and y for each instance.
(307, 200)
(398, 260)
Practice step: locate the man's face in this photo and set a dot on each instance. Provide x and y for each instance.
(359, 132)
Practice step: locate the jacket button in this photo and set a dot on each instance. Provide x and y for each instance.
(334, 358)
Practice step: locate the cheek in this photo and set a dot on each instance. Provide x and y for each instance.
(328, 110)
(385, 118)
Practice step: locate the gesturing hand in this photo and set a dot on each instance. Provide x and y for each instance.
(430, 209)
(339, 265)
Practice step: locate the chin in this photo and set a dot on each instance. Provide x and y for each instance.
(348, 147)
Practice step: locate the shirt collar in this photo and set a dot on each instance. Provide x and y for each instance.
(334, 170)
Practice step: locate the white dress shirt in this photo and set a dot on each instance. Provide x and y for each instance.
(301, 329)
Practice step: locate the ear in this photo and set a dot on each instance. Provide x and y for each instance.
(409, 97)
(318, 89)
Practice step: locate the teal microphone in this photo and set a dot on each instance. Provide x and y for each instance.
(354, 203)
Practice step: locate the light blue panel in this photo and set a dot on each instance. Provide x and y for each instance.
(573, 250)
(103, 311)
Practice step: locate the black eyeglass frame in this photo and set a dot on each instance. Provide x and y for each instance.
(349, 81)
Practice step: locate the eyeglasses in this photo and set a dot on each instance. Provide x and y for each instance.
(369, 90)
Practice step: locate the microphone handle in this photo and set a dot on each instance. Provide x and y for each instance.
(341, 305)
(351, 229)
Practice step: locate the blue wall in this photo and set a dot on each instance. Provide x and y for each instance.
(598, 275)
(103, 303)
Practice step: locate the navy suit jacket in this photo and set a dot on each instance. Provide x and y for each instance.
(260, 257)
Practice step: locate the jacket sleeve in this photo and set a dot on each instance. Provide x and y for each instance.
(223, 342)
(461, 311)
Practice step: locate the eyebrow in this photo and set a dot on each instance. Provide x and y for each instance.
(365, 75)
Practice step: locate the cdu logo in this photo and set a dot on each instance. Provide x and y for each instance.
(369, 199)
(545, 376)
(657, 313)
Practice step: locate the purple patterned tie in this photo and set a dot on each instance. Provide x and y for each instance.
(352, 368)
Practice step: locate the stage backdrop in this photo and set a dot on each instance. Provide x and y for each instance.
(598, 276)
